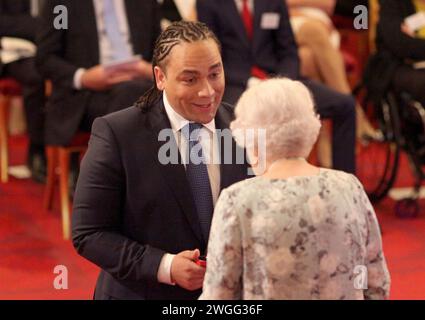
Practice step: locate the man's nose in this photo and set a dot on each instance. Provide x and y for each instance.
(207, 90)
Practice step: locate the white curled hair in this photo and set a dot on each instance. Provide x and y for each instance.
(285, 109)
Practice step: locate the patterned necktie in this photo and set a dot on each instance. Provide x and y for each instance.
(197, 175)
(247, 19)
(119, 48)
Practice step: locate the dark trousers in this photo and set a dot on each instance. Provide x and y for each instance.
(25, 72)
(119, 97)
(412, 81)
(340, 108)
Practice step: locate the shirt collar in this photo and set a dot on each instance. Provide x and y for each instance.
(177, 121)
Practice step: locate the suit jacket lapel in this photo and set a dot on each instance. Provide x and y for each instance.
(134, 27)
(90, 26)
(409, 8)
(235, 18)
(259, 9)
(174, 174)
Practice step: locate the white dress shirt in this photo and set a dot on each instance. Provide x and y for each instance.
(208, 140)
(184, 7)
(104, 43)
(239, 5)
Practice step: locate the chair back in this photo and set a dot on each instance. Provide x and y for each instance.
(373, 23)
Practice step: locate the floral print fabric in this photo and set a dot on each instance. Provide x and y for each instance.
(295, 238)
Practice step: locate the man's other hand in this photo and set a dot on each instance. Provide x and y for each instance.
(185, 272)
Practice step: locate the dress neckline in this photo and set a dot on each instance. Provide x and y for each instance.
(321, 170)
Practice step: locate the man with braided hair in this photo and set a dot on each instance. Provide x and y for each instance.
(144, 221)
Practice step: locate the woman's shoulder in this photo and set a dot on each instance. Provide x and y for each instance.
(244, 185)
(338, 174)
(250, 188)
(342, 179)
(254, 187)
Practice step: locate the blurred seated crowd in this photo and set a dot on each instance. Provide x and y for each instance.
(83, 66)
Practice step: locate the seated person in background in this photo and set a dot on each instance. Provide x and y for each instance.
(257, 42)
(18, 22)
(406, 46)
(297, 231)
(99, 33)
(318, 47)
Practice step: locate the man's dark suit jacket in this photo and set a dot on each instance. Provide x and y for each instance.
(62, 52)
(274, 51)
(169, 11)
(389, 35)
(129, 209)
(16, 21)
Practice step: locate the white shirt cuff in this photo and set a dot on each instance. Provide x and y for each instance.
(164, 271)
(77, 78)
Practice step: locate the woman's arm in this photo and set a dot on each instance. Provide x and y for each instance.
(224, 260)
(378, 277)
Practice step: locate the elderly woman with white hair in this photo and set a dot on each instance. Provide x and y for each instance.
(297, 231)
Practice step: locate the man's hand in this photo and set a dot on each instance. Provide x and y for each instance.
(97, 79)
(185, 272)
(142, 69)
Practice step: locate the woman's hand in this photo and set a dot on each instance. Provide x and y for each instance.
(407, 31)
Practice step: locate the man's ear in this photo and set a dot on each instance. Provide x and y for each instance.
(159, 78)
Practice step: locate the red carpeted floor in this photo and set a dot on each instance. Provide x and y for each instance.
(31, 244)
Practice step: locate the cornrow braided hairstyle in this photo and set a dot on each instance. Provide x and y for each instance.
(176, 33)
